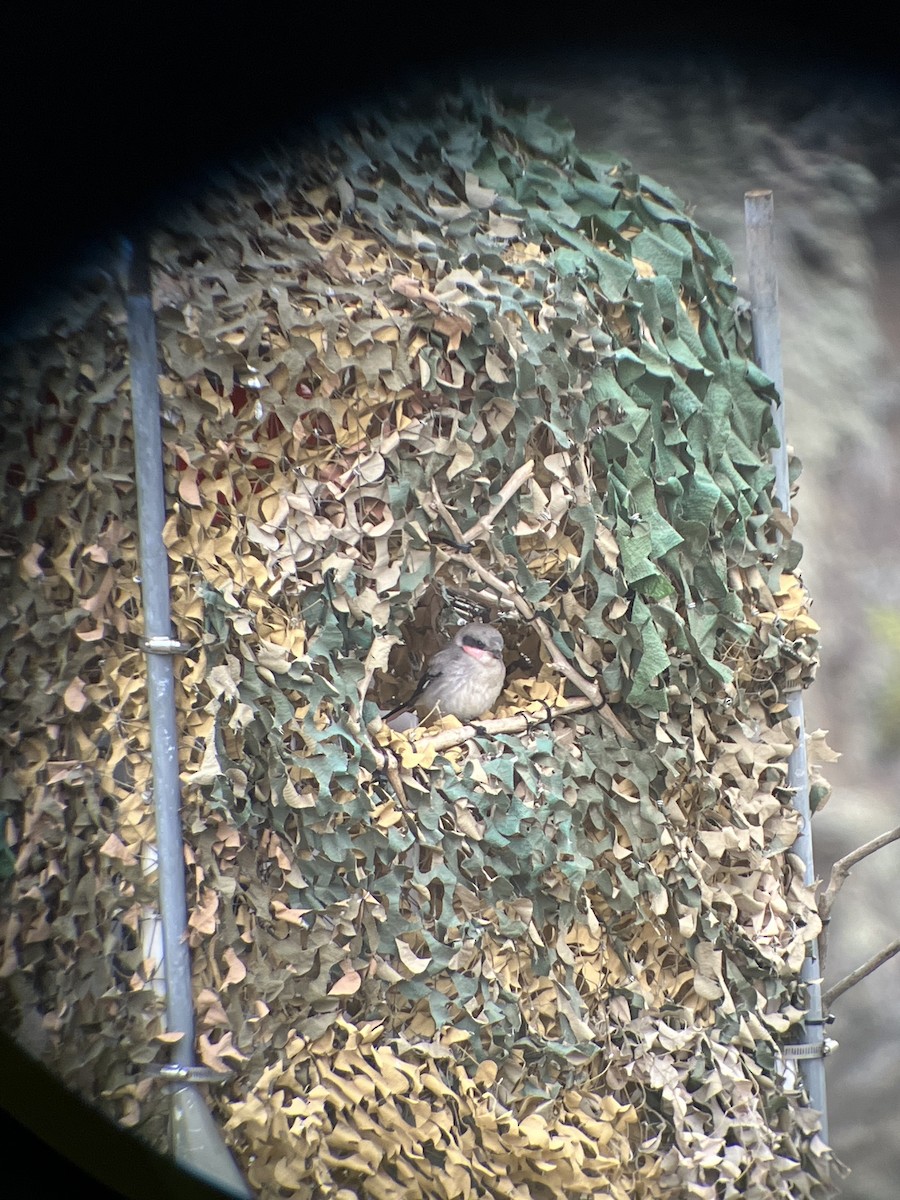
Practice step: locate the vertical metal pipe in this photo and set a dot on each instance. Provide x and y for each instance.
(759, 217)
(196, 1140)
(160, 676)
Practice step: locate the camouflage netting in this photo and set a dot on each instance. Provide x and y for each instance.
(440, 363)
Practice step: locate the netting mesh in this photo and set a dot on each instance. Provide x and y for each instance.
(444, 359)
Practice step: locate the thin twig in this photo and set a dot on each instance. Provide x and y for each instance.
(396, 780)
(449, 519)
(854, 977)
(843, 867)
(483, 524)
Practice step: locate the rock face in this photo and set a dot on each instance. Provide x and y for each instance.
(829, 150)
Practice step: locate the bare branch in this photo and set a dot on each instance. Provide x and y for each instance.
(446, 738)
(395, 779)
(449, 519)
(455, 737)
(854, 977)
(843, 867)
(503, 497)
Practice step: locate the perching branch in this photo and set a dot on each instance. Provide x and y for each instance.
(455, 737)
(843, 867)
(867, 968)
(464, 733)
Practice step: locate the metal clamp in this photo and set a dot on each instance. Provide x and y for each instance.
(177, 1073)
(809, 1049)
(164, 645)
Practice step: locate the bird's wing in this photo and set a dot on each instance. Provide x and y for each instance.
(432, 672)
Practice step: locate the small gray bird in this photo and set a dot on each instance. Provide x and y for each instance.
(463, 679)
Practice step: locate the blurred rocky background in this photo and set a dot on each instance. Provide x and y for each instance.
(829, 147)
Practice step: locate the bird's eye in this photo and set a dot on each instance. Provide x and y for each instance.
(472, 641)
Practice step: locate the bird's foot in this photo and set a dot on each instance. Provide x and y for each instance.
(547, 719)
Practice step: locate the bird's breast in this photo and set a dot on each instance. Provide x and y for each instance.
(464, 690)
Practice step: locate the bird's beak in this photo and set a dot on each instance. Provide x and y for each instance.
(480, 653)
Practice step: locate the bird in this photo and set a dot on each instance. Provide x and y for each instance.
(463, 679)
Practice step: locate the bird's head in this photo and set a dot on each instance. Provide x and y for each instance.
(481, 642)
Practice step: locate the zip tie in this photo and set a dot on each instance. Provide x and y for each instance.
(164, 645)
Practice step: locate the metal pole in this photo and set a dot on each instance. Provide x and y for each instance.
(759, 217)
(160, 679)
(197, 1143)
